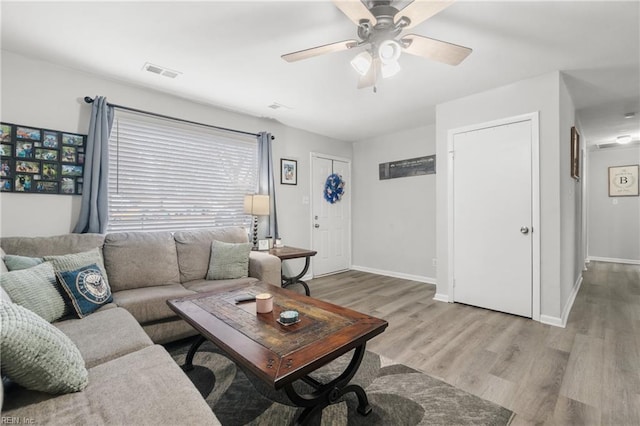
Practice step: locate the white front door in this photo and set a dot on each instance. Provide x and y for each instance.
(331, 222)
(492, 218)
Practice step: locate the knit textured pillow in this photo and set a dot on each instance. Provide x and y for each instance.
(35, 289)
(228, 260)
(71, 262)
(38, 356)
(15, 262)
(85, 288)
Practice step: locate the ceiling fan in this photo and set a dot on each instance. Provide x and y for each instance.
(380, 26)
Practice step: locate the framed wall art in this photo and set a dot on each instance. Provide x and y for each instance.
(288, 172)
(623, 181)
(575, 154)
(41, 161)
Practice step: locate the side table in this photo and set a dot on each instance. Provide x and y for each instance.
(286, 253)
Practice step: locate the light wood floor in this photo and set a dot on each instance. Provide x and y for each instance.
(587, 373)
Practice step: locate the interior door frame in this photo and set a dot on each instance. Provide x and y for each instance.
(535, 202)
(313, 155)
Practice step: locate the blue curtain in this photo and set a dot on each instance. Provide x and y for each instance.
(94, 211)
(266, 185)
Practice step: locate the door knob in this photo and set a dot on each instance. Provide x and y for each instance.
(524, 229)
(316, 226)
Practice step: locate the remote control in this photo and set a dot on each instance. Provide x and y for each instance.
(247, 298)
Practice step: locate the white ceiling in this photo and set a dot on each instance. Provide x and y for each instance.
(229, 56)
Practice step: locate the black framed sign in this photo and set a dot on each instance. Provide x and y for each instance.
(404, 168)
(41, 161)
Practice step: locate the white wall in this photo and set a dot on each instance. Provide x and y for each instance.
(40, 94)
(394, 220)
(527, 96)
(613, 222)
(570, 204)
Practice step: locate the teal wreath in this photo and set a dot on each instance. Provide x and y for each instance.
(334, 188)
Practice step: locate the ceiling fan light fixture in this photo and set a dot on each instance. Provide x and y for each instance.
(390, 69)
(389, 51)
(623, 139)
(362, 62)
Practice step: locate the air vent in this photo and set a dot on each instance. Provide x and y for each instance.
(156, 69)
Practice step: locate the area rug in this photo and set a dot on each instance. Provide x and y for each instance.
(399, 395)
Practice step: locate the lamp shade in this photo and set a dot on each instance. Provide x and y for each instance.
(257, 205)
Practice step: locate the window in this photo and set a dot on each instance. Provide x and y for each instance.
(168, 175)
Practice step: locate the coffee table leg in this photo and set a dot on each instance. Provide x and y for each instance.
(330, 393)
(188, 362)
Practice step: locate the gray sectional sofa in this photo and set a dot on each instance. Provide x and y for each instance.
(132, 380)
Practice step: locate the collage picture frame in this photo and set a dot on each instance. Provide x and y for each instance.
(288, 172)
(41, 161)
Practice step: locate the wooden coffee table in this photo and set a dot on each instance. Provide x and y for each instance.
(282, 354)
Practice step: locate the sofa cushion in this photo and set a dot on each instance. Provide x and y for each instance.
(194, 249)
(140, 259)
(170, 330)
(72, 261)
(85, 288)
(47, 246)
(202, 286)
(145, 387)
(37, 355)
(35, 289)
(150, 303)
(228, 261)
(105, 335)
(15, 262)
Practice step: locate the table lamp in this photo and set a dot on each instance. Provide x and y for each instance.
(256, 205)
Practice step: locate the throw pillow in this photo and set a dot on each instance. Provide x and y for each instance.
(86, 288)
(15, 262)
(70, 262)
(229, 260)
(4, 296)
(3, 266)
(38, 356)
(35, 289)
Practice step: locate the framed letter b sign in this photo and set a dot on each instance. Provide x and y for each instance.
(623, 181)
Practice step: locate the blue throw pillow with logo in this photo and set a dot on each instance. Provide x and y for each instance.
(86, 289)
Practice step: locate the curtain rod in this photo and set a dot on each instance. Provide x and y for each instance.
(89, 100)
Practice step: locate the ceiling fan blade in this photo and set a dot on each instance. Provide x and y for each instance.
(436, 50)
(319, 50)
(355, 10)
(421, 10)
(370, 78)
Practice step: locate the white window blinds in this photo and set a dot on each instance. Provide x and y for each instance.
(168, 175)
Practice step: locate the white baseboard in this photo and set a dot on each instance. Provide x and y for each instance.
(572, 298)
(418, 278)
(549, 320)
(613, 260)
(566, 310)
(441, 297)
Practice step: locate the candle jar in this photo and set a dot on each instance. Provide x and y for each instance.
(264, 303)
